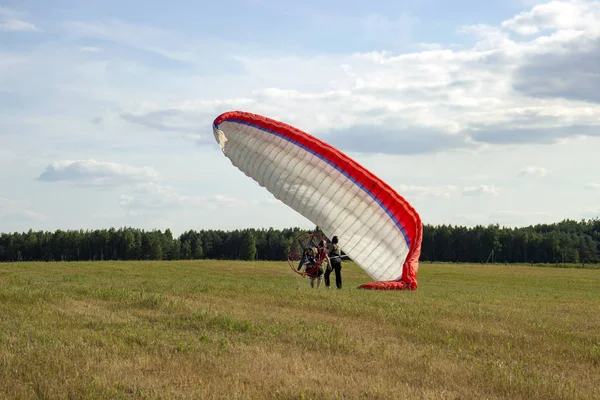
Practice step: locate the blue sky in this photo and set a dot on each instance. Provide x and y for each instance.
(475, 112)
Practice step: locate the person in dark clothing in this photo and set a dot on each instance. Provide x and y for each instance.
(335, 257)
(308, 257)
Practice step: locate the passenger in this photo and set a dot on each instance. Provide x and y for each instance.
(314, 268)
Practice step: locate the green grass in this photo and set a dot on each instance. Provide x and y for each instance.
(208, 329)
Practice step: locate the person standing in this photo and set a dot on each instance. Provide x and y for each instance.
(335, 258)
(314, 263)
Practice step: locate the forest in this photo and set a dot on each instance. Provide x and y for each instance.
(568, 241)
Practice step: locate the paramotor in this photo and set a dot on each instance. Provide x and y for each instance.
(295, 252)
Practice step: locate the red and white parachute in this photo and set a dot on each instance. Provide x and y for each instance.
(376, 227)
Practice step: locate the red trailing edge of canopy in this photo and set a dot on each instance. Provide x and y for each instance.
(389, 285)
(409, 270)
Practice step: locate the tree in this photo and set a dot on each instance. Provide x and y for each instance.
(186, 250)
(248, 246)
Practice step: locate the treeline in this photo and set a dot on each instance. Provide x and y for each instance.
(137, 244)
(566, 242)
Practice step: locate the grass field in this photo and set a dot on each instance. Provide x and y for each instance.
(208, 329)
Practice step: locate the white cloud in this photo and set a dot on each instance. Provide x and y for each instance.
(96, 173)
(563, 15)
(594, 186)
(507, 214)
(10, 22)
(174, 46)
(532, 170)
(12, 211)
(151, 197)
(591, 212)
(17, 26)
(481, 190)
(436, 100)
(90, 49)
(147, 194)
(519, 218)
(435, 191)
(189, 118)
(469, 219)
(475, 177)
(503, 218)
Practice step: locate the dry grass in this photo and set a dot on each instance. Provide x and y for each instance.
(206, 329)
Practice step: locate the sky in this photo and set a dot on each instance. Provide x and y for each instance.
(475, 112)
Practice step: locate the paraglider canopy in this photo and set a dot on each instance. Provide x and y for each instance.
(376, 226)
